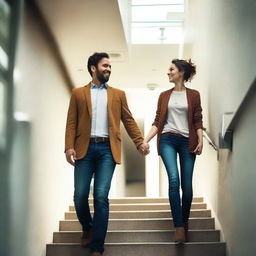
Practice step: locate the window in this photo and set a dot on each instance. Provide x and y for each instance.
(157, 21)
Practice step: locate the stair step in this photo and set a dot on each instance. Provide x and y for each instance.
(134, 207)
(141, 224)
(143, 214)
(148, 249)
(134, 200)
(140, 236)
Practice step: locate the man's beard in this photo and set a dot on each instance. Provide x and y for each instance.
(102, 77)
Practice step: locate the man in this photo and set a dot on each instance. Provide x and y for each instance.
(93, 146)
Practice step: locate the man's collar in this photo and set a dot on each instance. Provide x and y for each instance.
(104, 85)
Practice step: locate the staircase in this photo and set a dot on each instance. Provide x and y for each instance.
(142, 227)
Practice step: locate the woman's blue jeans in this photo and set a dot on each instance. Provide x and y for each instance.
(170, 146)
(98, 161)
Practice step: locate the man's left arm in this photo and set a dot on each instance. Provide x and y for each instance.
(129, 122)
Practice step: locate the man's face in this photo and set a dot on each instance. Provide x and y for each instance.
(103, 70)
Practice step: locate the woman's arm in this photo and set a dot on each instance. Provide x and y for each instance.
(200, 135)
(198, 124)
(199, 147)
(144, 147)
(153, 131)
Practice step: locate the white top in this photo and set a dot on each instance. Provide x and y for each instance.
(177, 119)
(99, 99)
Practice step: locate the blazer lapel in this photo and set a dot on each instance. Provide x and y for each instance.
(165, 103)
(189, 105)
(110, 94)
(87, 91)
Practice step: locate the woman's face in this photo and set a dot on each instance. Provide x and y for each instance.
(174, 74)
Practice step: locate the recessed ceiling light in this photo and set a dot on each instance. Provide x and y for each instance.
(114, 55)
(152, 86)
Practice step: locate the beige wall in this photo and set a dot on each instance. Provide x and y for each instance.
(40, 93)
(222, 45)
(223, 38)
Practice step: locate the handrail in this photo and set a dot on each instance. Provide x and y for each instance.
(248, 97)
(206, 135)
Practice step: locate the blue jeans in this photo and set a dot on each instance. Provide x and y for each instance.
(98, 161)
(170, 146)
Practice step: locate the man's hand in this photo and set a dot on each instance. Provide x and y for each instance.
(143, 148)
(71, 156)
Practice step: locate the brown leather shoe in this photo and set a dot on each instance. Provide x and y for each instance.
(96, 254)
(86, 238)
(186, 231)
(179, 236)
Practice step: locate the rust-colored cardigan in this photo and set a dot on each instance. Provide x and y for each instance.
(194, 115)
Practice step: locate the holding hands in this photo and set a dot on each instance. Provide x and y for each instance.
(144, 148)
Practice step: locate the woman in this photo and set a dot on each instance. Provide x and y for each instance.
(178, 125)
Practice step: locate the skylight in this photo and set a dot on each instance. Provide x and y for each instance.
(157, 21)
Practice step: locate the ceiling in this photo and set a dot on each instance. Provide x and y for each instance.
(82, 27)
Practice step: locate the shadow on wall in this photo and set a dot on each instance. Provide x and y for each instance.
(19, 182)
(134, 164)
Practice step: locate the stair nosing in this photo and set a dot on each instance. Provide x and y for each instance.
(112, 204)
(147, 219)
(141, 230)
(133, 211)
(142, 243)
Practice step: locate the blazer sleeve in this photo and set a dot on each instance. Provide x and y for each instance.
(198, 118)
(158, 111)
(129, 122)
(71, 122)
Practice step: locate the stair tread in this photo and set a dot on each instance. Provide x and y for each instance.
(139, 243)
(143, 248)
(156, 240)
(143, 206)
(145, 198)
(192, 210)
(144, 231)
(150, 219)
(122, 204)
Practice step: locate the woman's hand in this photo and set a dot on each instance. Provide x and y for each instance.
(199, 148)
(144, 148)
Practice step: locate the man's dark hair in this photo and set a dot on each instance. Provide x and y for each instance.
(95, 59)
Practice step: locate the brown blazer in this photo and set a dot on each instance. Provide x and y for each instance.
(78, 127)
(194, 115)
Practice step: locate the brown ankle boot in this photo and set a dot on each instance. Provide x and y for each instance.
(179, 236)
(86, 238)
(186, 231)
(96, 254)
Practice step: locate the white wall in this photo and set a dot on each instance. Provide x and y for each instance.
(40, 93)
(223, 38)
(125, 12)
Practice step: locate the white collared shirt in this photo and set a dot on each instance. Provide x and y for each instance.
(99, 99)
